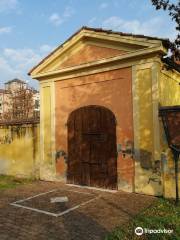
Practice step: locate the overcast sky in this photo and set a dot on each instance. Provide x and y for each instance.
(30, 29)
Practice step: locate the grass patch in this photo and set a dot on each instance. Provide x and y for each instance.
(12, 182)
(163, 214)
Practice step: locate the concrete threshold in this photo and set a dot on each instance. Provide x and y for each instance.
(92, 188)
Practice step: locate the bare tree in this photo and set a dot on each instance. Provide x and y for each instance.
(20, 105)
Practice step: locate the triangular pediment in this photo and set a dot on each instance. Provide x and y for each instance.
(87, 46)
(88, 53)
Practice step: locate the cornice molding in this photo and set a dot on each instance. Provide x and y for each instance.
(102, 63)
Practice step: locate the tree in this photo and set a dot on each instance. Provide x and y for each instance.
(174, 13)
(22, 104)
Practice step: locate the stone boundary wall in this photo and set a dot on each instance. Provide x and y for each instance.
(19, 148)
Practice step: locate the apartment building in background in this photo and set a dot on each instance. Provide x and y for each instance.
(4, 102)
(18, 101)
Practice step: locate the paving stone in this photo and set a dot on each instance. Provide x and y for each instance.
(88, 222)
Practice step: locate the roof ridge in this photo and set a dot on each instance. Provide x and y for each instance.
(123, 33)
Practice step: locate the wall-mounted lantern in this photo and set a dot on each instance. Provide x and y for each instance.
(171, 122)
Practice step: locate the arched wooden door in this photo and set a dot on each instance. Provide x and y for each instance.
(92, 155)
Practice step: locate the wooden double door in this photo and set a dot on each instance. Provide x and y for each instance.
(92, 154)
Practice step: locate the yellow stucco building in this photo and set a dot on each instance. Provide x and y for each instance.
(100, 96)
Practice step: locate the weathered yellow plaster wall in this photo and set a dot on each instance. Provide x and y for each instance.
(169, 88)
(47, 122)
(169, 96)
(19, 150)
(147, 167)
(47, 153)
